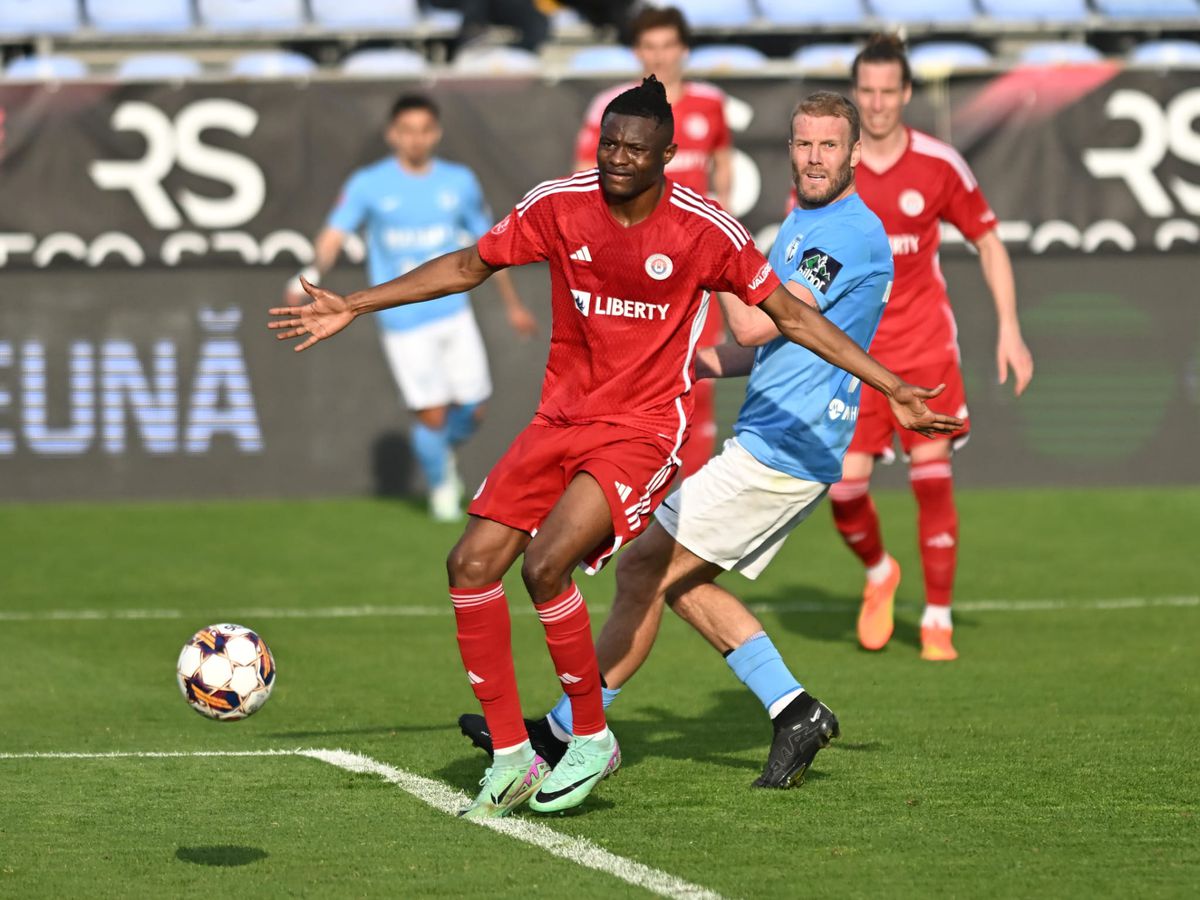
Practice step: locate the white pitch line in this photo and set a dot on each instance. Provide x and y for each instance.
(446, 799)
(150, 754)
(578, 850)
(524, 609)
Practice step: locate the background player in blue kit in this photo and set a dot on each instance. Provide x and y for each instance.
(790, 438)
(415, 206)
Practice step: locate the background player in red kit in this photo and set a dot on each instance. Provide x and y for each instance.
(588, 471)
(913, 182)
(703, 162)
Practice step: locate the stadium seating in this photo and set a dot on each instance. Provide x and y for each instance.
(384, 61)
(497, 61)
(1148, 9)
(717, 13)
(271, 64)
(365, 13)
(812, 12)
(924, 10)
(1059, 53)
(1036, 10)
(38, 16)
(943, 55)
(1166, 53)
(826, 57)
(604, 58)
(144, 15)
(159, 65)
(251, 15)
(727, 57)
(46, 68)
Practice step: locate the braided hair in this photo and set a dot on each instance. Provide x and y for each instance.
(648, 101)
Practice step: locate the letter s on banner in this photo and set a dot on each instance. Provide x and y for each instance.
(169, 144)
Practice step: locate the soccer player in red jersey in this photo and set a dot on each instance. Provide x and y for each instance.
(913, 182)
(702, 162)
(633, 258)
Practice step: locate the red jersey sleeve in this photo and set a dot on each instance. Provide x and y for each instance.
(966, 208)
(520, 237)
(747, 274)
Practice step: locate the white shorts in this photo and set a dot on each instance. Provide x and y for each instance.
(440, 363)
(735, 512)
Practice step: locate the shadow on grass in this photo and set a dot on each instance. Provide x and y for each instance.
(838, 624)
(723, 734)
(221, 855)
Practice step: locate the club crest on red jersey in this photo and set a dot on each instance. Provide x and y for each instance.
(912, 202)
(659, 266)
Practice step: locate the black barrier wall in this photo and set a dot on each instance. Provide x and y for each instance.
(145, 229)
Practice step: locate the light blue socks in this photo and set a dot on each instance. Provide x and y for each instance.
(431, 447)
(758, 665)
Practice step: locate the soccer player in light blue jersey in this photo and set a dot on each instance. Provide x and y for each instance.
(791, 434)
(413, 207)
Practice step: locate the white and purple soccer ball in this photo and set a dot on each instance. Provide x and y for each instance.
(225, 672)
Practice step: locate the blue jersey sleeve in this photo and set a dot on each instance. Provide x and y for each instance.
(476, 215)
(831, 260)
(352, 206)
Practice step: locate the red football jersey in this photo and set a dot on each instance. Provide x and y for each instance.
(700, 130)
(626, 302)
(930, 182)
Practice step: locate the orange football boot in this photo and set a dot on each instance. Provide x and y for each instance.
(875, 617)
(936, 645)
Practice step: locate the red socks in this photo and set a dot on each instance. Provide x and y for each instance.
(569, 637)
(485, 642)
(855, 517)
(937, 527)
(937, 524)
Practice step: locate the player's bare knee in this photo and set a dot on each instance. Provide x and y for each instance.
(545, 577)
(467, 567)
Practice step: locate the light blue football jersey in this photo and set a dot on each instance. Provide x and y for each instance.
(800, 411)
(409, 219)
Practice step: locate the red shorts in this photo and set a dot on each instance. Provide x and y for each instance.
(876, 424)
(633, 469)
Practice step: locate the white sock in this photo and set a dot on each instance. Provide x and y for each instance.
(517, 755)
(879, 572)
(557, 730)
(781, 704)
(936, 617)
(601, 735)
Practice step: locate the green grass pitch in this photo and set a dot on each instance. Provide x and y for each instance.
(1059, 757)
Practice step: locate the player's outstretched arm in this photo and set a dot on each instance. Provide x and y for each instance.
(329, 313)
(803, 325)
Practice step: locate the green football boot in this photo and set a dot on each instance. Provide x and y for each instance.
(588, 760)
(504, 788)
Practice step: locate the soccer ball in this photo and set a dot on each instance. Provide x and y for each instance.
(225, 672)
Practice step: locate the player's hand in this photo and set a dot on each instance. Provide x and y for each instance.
(325, 316)
(1011, 352)
(522, 321)
(908, 405)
